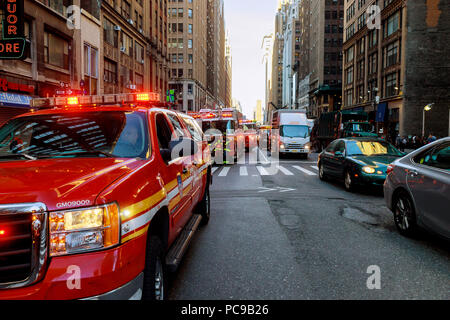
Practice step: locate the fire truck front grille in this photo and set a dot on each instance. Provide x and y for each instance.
(15, 247)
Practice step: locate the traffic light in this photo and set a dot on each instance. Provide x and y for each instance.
(170, 96)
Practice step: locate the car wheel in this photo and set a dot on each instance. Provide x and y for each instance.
(348, 182)
(322, 174)
(204, 207)
(405, 216)
(154, 273)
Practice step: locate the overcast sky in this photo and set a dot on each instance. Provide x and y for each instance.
(248, 21)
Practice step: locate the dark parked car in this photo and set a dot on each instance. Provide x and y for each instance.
(357, 161)
(417, 190)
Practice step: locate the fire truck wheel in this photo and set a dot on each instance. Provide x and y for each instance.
(154, 272)
(204, 207)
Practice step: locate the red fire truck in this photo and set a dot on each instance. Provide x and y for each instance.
(250, 132)
(100, 195)
(220, 128)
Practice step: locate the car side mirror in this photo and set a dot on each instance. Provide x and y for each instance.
(166, 155)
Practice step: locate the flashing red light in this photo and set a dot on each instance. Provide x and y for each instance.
(2, 232)
(143, 97)
(72, 101)
(228, 115)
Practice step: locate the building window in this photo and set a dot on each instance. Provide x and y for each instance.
(391, 84)
(392, 24)
(126, 10)
(126, 44)
(90, 69)
(139, 53)
(56, 50)
(139, 82)
(391, 54)
(109, 34)
(110, 72)
(59, 5)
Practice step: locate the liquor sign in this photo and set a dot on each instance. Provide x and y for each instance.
(12, 46)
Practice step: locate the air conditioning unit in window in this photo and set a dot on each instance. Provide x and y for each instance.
(117, 28)
(141, 31)
(122, 49)
(130, 22)
(142, 61)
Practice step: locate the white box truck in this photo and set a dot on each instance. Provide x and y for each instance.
(294, 132)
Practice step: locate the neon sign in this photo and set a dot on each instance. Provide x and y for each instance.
(12, 46)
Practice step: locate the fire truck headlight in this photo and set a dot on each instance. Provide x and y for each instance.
(83, 230)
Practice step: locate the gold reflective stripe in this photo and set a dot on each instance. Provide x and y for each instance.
(136, 234)
(143, 205)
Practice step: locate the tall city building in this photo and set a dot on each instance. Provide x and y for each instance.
(134, 51)
(228, 73)
(325, 62)
(258, 112)
(216, 51)
(391, 51)
(275, 97)
(291, 54)
(188, 54)
(304, 50)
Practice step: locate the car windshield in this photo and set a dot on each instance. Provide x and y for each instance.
(360, 127)
(75, 135)
(295, 131)
(222, 126)
(371, 148)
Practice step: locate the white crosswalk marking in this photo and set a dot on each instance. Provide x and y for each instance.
(243, 171)
(315, 168)
(262, 171)
(224, 172)
(309, 173)
(214, 169)
(285, 171)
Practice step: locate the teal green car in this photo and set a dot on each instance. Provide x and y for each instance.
(357, 161)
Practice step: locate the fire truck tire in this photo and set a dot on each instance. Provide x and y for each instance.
(204, 207)
(154, 273)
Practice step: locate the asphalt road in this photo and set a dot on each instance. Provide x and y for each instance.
(288, 235)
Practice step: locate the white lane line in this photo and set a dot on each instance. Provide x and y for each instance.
(315, 168)
(224, 172)
(285, 171)
(262, 171)
(263, 156)
(243, 171)
(214, 169)
(309, 173)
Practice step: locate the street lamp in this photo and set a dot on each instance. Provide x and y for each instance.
(427, 108)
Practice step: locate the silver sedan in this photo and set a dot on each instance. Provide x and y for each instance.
(417, 190)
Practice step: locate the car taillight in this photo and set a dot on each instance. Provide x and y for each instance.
(390, 169)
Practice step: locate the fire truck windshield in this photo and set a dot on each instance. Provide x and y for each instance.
(223, 126)
(75, 135)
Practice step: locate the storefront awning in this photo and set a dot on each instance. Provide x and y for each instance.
(14, 100)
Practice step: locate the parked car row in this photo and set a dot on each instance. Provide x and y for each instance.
(416, 186)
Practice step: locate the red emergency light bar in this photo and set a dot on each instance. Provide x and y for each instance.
(107, 99)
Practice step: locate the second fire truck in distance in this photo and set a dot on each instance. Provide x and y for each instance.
(220, 128)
